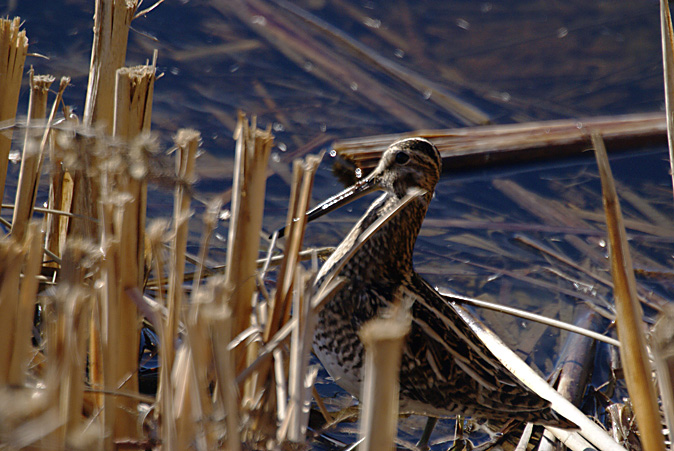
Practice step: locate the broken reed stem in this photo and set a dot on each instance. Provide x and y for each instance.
(61, 187)
(189, 417)
(30, 162)
(662, 341)
(133, 96)
(119, 371)
(11, 258)
(104, 322)
(192, 406)
(629, 315)
(383, 340)
(112, 20)
(51, 221)
(253, 147)
(187, 143)
(286, 294)
(471, 147)
(72, 359)
(577, 356)
(134, 90)
(301, 378)
(292, 275)
(588, 429)
(303, 179)
(155, 235)
(221, 336)
(85, 177)
(13, 50)
(23, 351)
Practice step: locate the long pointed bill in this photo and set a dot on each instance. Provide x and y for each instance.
(354, 192)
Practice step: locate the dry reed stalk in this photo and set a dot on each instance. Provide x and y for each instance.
(300, 379)
(187, 143)
(112, 19)
(60, 192)
(667, 34)
(491, 144)
(83, 167)
(252, 152)
(221, 335)
(588, 429)
(30, 162)
(134, 90)
(577, 357)
(69, 367)
(630, 325)
(383, 341)
(192, 405)
(188, 411)
(303, 175)
(132, 117)
(23, 351)
(662, 341)
(156, 237)
(10, 274)
(118, 412)
(292, 396)
(529, 316)
(67, 346)
(13, 50)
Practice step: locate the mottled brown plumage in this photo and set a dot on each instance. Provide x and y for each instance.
(446, 370)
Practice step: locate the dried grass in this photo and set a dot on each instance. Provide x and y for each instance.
(235, 370)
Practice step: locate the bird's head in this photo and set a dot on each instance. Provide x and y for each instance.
(409, 163)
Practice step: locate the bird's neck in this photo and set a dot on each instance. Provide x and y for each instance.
(387, 255)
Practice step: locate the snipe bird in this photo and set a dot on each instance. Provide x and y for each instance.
(445, 370)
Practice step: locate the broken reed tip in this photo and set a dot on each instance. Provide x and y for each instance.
(384, 329)
(137, 71)
(43, 80)
(12, 26)
(185, 136)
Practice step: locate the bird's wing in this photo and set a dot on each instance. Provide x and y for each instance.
(442, 338)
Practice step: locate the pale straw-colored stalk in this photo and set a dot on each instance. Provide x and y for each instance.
(61, 187)
(23, 352)
(187, 144)
(383, 340)
(294, 285)
(30, 161)
(588, 431)
(11, 259)
(132, 117)
(193, 405)
(112, 20)
(253, 147)
(13, 51)
(629, 315)
(134, 91)
(662, 341)
(221, 335)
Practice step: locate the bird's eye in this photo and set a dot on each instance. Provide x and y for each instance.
(402, 158)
